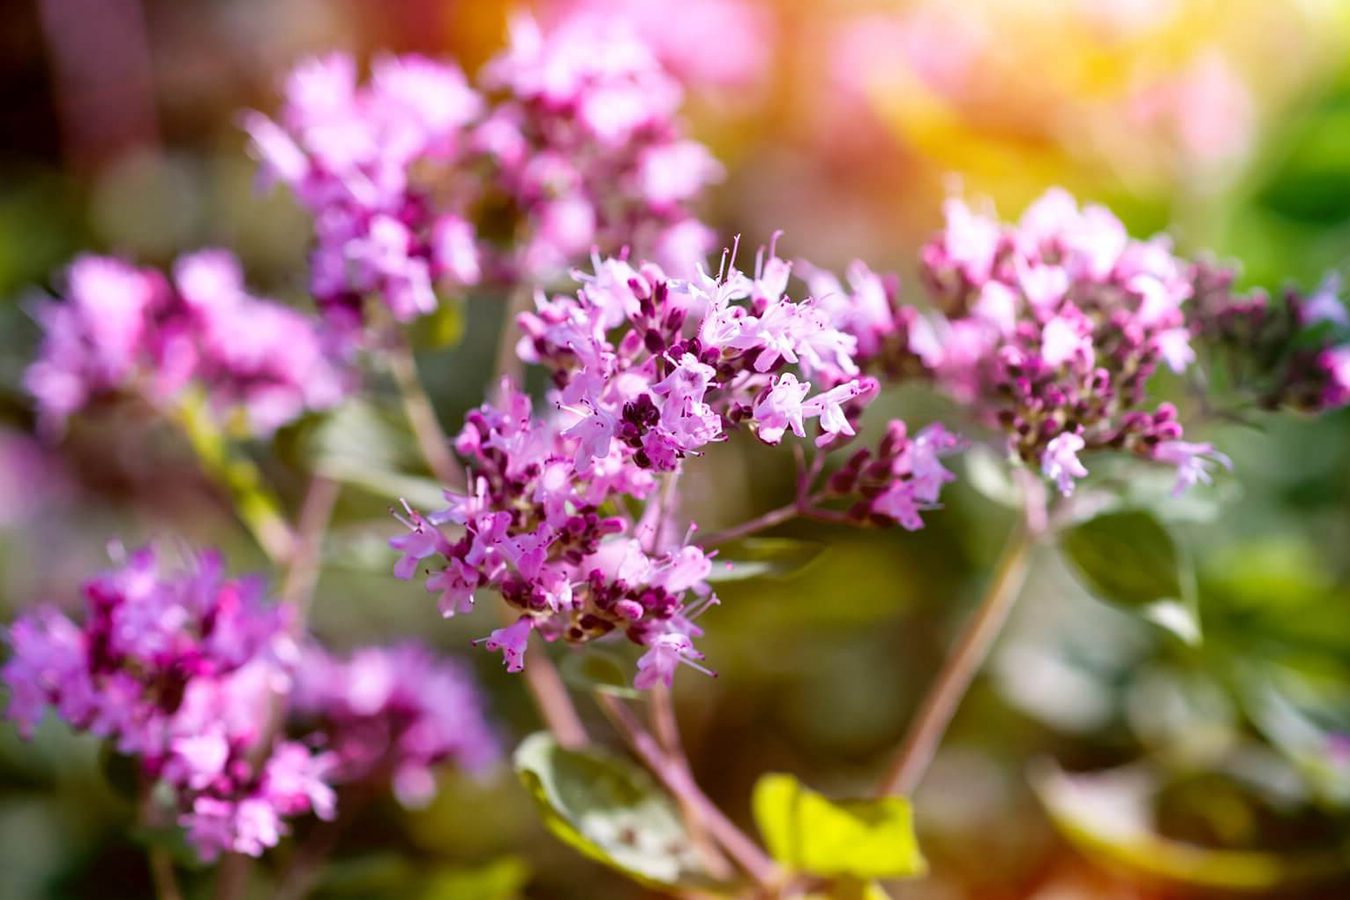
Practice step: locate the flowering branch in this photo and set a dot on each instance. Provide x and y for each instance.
(758, 523)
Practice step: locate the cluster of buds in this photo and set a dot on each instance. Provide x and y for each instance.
(122, 328)
(1291, 354)
(418, 179)
(903, 477)
(1054, 327)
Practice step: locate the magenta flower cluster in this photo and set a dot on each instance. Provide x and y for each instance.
(178, 669)
(646, 372)
(122, 329)
(1052, 329)
(416, 180)
(182, 669)
(388, 716)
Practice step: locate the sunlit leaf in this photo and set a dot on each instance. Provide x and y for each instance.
(763, 557)
(857, 839)
(608, 809)
(442, 328)
(500, 879)
(1109, 817)
(362, 445)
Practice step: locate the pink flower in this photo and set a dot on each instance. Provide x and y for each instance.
(1060, 461)
(511, 641)
(1193, 462)
(663, 657)
(780, 408)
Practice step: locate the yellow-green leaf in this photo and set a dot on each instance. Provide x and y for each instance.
(858, 839)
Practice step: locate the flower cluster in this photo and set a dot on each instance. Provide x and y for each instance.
(586, 143)
(1294, 353)
(417, 179)
(646, 371)
(123, 328)
(1053, 329)
(178, 669)
(353, 156)
(682, 42)
(389, 715)
(533, 531)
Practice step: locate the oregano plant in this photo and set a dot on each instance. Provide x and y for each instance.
(561, 182)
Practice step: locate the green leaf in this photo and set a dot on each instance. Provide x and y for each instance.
(608, 809)
(1127, 558)
(1109, 816)
(365, 446)
(856, 839)
(501, 879)
(600, 669)
(761, 557)
(172, 840)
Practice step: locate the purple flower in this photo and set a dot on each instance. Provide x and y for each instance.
(123, 329)
(393, 715)
(1060, 461)
(179, 669)
(511, 641)
(1053, 327)
(663, 657)
(1193, 462)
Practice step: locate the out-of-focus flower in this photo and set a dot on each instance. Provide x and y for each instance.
(178, 669)
(125, 329)
(417, 180)
(31, 479)
(1054, 327)
(685, 43)
(1294, 352)
(392, 714)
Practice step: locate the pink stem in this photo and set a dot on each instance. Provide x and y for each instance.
(680, 782)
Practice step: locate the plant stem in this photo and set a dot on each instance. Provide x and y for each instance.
(550, 697)
(162, 874)
(302, 574)
(667, 729)
(297, 593)
(769, 519)
(680, 782)
(964, 661)
(507, 364)
(254, 503)
(430, 437)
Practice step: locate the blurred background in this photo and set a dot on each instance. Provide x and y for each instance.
(1098, 757)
